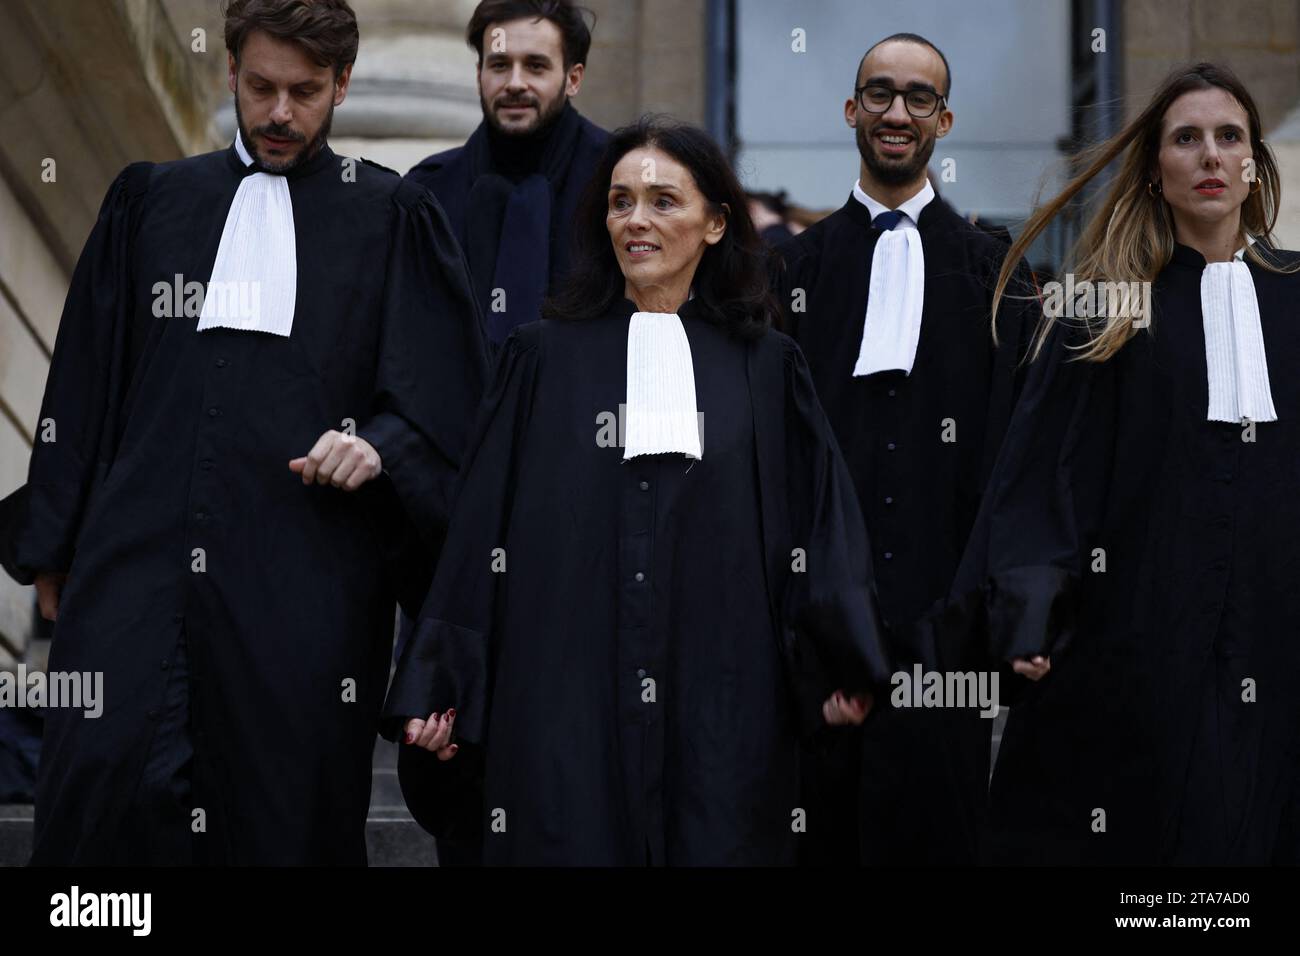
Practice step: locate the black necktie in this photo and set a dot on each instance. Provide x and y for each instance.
(887, 220)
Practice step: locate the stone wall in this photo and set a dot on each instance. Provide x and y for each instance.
(646, 56)
(1258, 39)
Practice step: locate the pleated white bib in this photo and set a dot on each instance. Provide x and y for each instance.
(254, 284)
(1235, 363)
(661, 414)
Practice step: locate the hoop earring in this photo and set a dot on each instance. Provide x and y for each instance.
(1259, 184)
(1157, 191)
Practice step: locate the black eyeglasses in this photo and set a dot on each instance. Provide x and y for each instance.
(878, 98)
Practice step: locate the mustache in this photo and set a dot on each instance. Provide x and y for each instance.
(877, 127)
(528, 101)
(279, 131)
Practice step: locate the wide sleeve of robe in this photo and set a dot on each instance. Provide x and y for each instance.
(430, 368)
(445, 662)
(89, 376)
(1020, 575)
(829, 604)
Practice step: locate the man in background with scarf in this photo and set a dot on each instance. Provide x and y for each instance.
(510, 192)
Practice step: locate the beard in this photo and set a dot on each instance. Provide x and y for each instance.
(280, 131)
(890, 170)
(546, 115)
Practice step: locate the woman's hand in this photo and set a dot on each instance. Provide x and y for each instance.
(433, 734)
(840, 709)
(1035, 668)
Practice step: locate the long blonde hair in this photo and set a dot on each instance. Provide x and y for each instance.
(1130, 236)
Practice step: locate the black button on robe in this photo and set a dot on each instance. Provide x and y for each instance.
(171, 440)
(1156, 555)
(634, 672)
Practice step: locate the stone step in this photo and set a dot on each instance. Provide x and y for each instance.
(386, 793)
(392, 838)
(385, 755)
(15, 834)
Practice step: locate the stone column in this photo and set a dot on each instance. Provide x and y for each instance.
(646, 56)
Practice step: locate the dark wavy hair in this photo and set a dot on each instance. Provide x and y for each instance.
(731, 281)
(326, 30)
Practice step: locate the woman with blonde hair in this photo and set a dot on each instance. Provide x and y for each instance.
(1141, 532)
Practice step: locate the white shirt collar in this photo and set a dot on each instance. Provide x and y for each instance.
(242, 150)
(910, 208)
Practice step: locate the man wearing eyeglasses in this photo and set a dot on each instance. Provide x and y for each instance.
(890, 299)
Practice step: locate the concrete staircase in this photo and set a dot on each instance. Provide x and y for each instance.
(392, 837)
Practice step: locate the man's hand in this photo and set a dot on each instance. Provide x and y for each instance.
(1035, 668)
(344, 461)
(49, 587)
(433, 734)
(839, 709)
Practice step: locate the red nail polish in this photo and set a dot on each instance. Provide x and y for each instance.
(451, 713)
(410, 738)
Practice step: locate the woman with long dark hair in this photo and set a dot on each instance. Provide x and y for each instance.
(656, 572)
(1142, 525)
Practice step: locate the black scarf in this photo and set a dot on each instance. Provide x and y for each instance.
(509, 236)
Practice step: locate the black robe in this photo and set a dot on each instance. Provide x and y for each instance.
(924, 772)
(633, 673)
(473, 182)
(1143, 715)
(170, 440)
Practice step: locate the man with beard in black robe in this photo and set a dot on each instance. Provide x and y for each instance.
(254, 415)
(919, 396)
(512, 189)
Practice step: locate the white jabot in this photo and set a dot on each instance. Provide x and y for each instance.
(896, 295)
(661, 415)
(254, 284)
(1235, 362)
